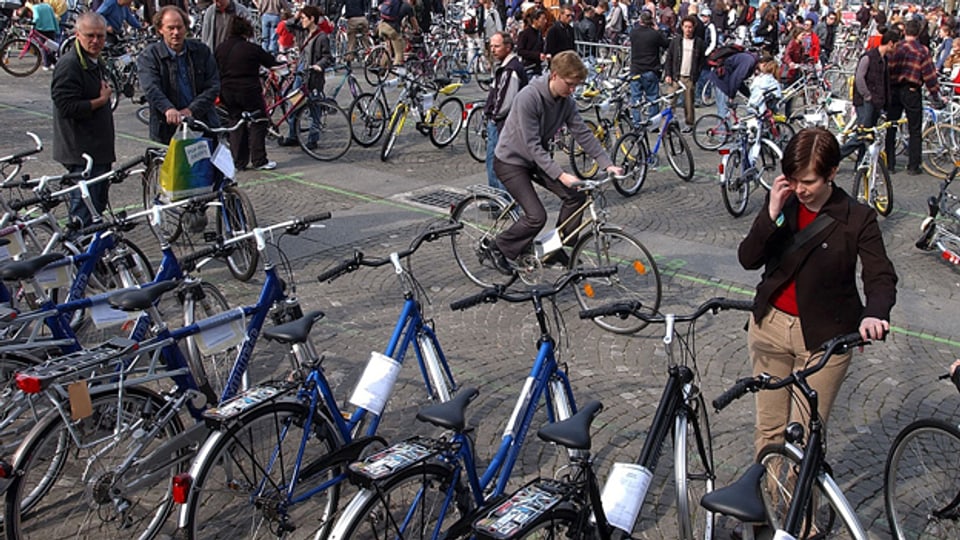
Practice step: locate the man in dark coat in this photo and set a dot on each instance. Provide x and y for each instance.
(560, 36)
(82, 118)
(683, 63)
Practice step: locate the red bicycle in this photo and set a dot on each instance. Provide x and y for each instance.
(21, 56)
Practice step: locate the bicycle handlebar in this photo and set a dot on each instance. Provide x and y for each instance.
(491, 295)
(200, 125)
(292, 226)
(18, 156)
(625, 309)
(589, 184)
(358, 260)
(116, 175)
(764, 381)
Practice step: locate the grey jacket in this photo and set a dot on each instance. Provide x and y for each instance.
(210, 28)
(535, 117)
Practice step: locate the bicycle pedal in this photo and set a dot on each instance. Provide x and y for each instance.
(423, 128)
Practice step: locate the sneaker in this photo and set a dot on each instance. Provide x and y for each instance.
(268, 166)
(686, 129)
(500, 261)
(287, 141)
(558, 258)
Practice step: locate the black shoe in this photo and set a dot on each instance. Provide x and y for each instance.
(557, 258)
(892, 170)
(914, 172)
(500, 261)
(287, 141)
(311, 145)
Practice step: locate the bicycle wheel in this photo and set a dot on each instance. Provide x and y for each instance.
(678, 152)
(20, 58)
(69, 490)
(446, 121)
(236, 217)
(242, 487)
(143, 114)
(940, 149)
(631, 153)
(734, 188)
(560, 524)
(821, 520)
(482, 72)
(637, 277)
(711, 131)
(204, 302)
(368, 119)
(476, 133)
(394, 128)
(323, 130)
(19, 412)
(376, 63)
(879, 195)
(483, 218)
(921, 479)
(768, 163)
(785, 133)
(708, 96)
(409, 505)
(693, 468)
(172, 226)
(581, 162)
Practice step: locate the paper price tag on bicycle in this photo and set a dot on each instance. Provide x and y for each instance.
(376, 383)
(14, 248)
(104, 315)
(220, 332)
(623, 494)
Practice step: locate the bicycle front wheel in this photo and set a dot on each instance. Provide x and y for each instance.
(476, 133)
(637, 276)
(631, 154)
(368, 119)
(72, 491)
(678, 153)
(323, 130)
(483, 218)
(940, 149)
(19, 57)
(693, 468)
(711, 131)
(397, 120)
(708, 96)
(235, 218)
(171, 226)
(921, 479)
(204, 300)
(583, 163)
(872, 187)
(242, 489)
(446, 121)
(734, 188)
(410, 505)
(376, 64)
(822, 518)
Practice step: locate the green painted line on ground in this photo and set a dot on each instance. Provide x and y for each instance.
(925, 336)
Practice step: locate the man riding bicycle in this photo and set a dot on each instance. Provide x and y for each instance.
(539, 111)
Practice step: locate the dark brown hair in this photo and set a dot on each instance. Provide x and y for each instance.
(811, 149)
(240, 27)
(158, 16)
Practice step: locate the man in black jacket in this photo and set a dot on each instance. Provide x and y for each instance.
(560, 36)
(871, 88)
(82, 119)
(646, 45)
(683, 63)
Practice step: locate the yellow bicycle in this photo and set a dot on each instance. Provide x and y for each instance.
(441, 122)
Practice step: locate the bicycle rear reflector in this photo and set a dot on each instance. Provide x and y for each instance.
(181, 487)
(28, 383)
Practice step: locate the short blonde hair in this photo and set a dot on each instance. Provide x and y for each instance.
(568, 65)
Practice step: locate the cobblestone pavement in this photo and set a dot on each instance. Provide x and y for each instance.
(492, 346)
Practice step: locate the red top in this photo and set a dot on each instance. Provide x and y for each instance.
(786, 298)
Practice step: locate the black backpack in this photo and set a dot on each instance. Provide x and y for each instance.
(716, 57)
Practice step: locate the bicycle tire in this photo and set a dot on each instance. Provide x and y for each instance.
(776, 489)
(71, 484)
(66, 45)
(560, 524)
(483, 218)
(323, 130)
(482, 72)
(768, 163)
(693, 468)
(785, 133)
(376, 64)
(631, 154)
(678, 153)
(16, 64)
(217, 366)
(375, 513)
(442, 69)
(734, 188)
(940, 149)
(581, 162)
(236, 216)
(143, 114)
(919, 481)
(446, 121)
(637, 278)
(708, 95)
(880, 196)
(239, 490)
(116, 89)
(171, 227)
(476, 133)
(18, 411)
(711, 131)
(394, 128)
(368, 119)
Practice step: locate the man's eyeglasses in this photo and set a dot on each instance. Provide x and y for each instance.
(90, 35)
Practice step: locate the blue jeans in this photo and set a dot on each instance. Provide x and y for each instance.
(268, 32)
(722, 107)
(648, 86)
(493, 135)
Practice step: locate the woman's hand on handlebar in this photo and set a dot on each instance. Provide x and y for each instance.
(173, 116)
(872, 328)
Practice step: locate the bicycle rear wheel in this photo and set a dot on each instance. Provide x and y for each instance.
(483, 218)
(940, 149)
(397, 119)
(323, 130)
(637, 277)
(235, 218)
(822, 519)
(70, 491)
(581, 162)
(482, 72)
(376, 63)
(734, 188)
(631, 153)
(708, 96)
(19, 57)
(693, 468)
(241, 489)
(711, 131)
(368, 119)
(204, 300)
(19, 412)
(476, 133)
(921, 479)
(678, 152)
(446, 121)
(879, 195)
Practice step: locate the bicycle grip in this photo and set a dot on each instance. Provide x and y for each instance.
(343, 268)
(19, 205)
(740, 388)
(95, 228)
(130, 163)
(189, 262)
(488, 295)
(201, 200)
(621, 309)
(313, 218)
(601, 271)
(738, 305)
